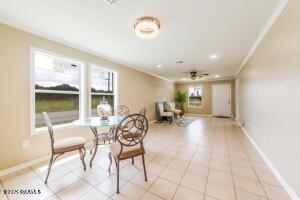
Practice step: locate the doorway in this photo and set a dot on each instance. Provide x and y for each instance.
(221, 100)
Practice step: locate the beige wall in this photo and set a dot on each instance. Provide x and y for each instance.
(269, 95)
(136, 89)
(207, 95)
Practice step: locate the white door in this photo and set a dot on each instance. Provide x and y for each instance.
(221, 100)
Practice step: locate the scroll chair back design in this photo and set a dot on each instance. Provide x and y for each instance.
(60, 147)
(143, 111)
(135, 125)
(121, 110)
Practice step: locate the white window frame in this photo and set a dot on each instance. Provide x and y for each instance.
(81, 92)
(89, 83)
(199, 86)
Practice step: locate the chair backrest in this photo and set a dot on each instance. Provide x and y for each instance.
(121, 110)
(172, 106)
(49, 125)
(143, 111)
(132, 130)
(161, 108)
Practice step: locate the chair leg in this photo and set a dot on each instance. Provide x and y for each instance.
(49, 168)
(82, 155)
(144, 167)
(132, 160)
(110, 161)
(118, 173)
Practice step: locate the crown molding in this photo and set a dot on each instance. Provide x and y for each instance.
(208, 80)
(276, 13)
(74, 46)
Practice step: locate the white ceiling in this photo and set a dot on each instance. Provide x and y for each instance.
(191, 30)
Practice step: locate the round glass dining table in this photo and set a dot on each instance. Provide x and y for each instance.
(96, 122)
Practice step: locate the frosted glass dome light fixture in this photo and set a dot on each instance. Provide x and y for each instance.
(147, 27)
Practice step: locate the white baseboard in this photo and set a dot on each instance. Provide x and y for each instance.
(153, 121)
(23, 166)
(282, 181)
(200, 115)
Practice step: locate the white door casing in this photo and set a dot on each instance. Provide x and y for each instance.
(221, 100)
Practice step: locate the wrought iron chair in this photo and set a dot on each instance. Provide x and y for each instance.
(60, 147)
(121, 110)
(129, 147)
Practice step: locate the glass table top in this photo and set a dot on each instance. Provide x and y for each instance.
(98, 122)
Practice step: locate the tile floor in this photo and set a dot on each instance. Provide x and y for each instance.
(210, 159)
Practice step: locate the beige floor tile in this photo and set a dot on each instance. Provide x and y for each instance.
(220, 190)
(172, 174)
(150, 196)
(109, 186)
(155, 168)
(162, 159)
(62, 182)
(244, 171)
(276, 193)
(97, 177)
(209, 198)
(184, 193)
(223, 166)
(194, 182)
(178, 164)
(163, 188)
(268, 177)
(243, 195)
(129, 192)
(74, 191)
(93, 194)
(139, 180)
(84, 173)
(220, 176)
(249, 185)
(19, 177)
(197, 170)
(240, 162)
(128, 172)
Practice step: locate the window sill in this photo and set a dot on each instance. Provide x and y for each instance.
(195, 106)
(60, 127)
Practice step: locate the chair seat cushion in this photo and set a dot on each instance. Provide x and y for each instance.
(166, 114)
(177, 111)
(127, 152)
(68, 144)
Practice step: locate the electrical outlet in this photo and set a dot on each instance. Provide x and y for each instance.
(25, 144)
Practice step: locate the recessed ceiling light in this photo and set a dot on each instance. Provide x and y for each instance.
(217, 76)
(214, 56)
(159, 66)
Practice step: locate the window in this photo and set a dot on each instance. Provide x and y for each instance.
(195, 96)
(102, 86)
(56, 89)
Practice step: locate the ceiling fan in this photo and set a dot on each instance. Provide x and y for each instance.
(194, 75)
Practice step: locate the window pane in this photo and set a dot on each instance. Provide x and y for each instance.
(96, 99)
(62, 108)
(52, 73)
(195, 96)
(101, 81)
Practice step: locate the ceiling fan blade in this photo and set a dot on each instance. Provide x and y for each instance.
(204, 74)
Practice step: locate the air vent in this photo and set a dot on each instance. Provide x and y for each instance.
(111, 2)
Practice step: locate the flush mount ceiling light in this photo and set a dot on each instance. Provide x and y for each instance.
(214, 56)
(147, 27)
